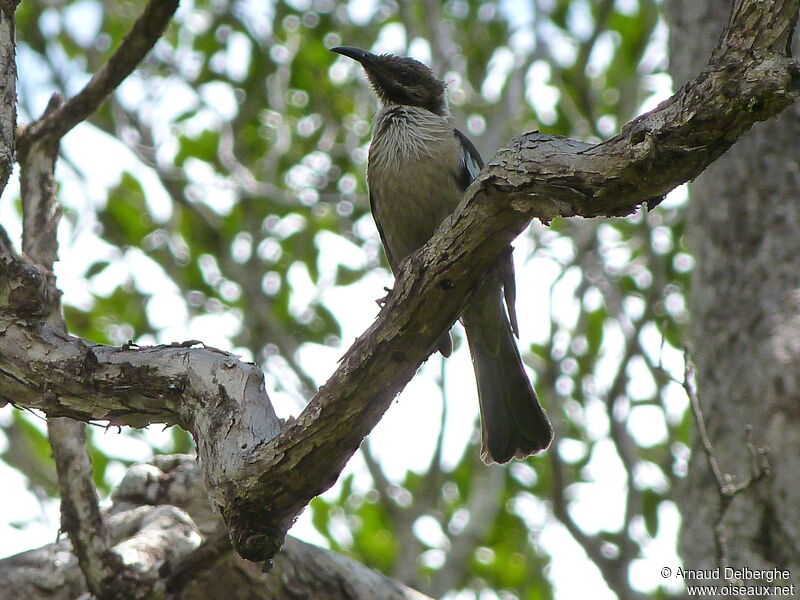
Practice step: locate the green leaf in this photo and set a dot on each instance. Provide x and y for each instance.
(126, 220)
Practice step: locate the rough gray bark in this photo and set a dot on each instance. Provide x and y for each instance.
(744, 229)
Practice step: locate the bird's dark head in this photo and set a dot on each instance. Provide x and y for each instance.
(399, 80)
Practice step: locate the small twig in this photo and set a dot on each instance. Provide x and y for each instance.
(726, 489)
(726, 485)
(760, 467)
(147, 30)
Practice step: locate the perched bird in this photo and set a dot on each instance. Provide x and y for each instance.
(419, 167)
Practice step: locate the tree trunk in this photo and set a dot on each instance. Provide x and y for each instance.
(744, 230)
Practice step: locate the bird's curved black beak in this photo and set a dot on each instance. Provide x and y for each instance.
(367, 59)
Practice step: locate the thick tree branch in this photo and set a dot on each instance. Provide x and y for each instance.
(208, 392)
(261, 486)
(147, 30)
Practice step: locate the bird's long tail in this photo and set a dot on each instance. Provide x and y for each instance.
(514, 425)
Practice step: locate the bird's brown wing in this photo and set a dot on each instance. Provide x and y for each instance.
(472, 163)
(375, 218)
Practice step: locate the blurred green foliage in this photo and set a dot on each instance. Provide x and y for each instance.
(243, 145)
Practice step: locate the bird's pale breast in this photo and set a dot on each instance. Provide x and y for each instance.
(413, 168)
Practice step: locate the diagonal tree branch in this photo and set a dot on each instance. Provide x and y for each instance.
(147, 30)
(261, 486)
